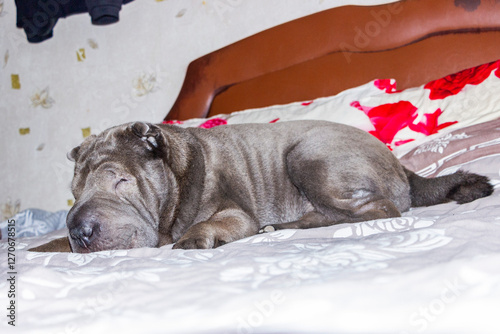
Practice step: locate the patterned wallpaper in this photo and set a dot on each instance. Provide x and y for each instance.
(87, 78)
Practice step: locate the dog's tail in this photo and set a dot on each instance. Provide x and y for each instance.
(461, 187)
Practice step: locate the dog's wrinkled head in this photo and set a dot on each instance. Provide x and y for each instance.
(121, 184)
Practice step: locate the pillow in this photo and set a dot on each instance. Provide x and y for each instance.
(400, 119)
(446, 153)
(404, 119)
(334, 108)
(34, 222)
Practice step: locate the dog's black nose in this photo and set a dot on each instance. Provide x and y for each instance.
(84, 233)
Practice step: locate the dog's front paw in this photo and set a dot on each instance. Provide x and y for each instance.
(267, 229)
(194, 243)
(56, 245)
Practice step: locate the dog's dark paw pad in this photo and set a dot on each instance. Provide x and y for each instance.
(267, 229)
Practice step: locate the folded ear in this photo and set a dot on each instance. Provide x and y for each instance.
(150, 134)
(71, 155)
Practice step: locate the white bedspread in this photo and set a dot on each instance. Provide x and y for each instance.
(434, 270)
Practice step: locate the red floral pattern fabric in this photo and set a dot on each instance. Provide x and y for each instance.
(213, 122)
(173, 122)
(454, 83)
(389, 119)
(429, 125)
(387, 85)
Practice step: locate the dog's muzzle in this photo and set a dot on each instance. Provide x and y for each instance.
(84, 224)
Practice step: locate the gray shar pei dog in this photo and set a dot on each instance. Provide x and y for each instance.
(145, 185)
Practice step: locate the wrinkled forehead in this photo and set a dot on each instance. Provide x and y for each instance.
(108, 145)
(98, 151)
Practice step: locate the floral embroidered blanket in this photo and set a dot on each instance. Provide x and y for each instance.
(433, 270)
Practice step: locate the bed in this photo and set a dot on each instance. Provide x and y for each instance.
(423, 77)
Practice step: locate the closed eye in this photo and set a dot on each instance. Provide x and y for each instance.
(121, 182)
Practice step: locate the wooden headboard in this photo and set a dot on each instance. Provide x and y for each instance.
(412, 41)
